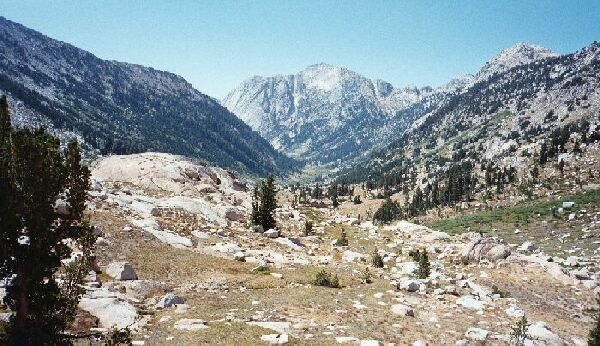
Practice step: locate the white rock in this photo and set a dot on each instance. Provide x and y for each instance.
(470, 303)
(371, 343)
(351, 256)
(477, 334)
(226, 248)
(272, 233)
(403, 310)
(279, 327)
(275, 339)
(346, 339)
(568, 205)
(121, 271)
(541, 333)
(169, 300)
(190, 324)
(111, 310)
(239, 256)
(528, 246)
(409, 285)
(572, 261)
(514, 311)
(408, 268)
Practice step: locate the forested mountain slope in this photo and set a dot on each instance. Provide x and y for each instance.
(116, 107)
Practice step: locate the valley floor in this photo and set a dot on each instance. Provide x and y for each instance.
(241, 288)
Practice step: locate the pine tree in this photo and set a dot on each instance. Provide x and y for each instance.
(543, 153)
(4, 118)
(33, 173)
(268, 203)
(424, 268)
(342, 240)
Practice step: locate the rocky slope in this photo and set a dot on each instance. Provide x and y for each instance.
(212, 279)
(504, 119)
(325, 113)
(116, 107)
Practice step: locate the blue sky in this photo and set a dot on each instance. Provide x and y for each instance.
(217, 44)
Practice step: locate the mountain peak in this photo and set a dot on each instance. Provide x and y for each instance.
(519, 54)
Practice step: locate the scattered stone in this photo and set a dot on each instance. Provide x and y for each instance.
(190, 324)
(371, 343)
(409, 285)
(572, 261)
(121, 271)
(109, 308)
(470, 303)
(582, 274)
(514, 311)
(351, 256)
(491, 249)
(568, 205)
(279, 327)
(528, 246)
(346, 339)
(272, 233)
(477, 334)
(403, 310)
(170, 300)
(239, 256)
(257, 229)
(540, 332)
(275, 339)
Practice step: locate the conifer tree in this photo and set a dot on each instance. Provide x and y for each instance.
(4, 118)
(33, 174)
(268, 203)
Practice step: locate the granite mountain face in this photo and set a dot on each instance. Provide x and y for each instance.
(327, 113)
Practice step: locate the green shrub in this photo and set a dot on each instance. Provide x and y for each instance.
(342, 240)
(519, 332)
(376, 260)
(424, 267)
(308, 228)
(326, 279)
(387, 212)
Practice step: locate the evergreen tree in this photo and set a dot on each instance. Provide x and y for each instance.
(376, 260)
(334, 201)
(4, 118)
(33, 174)
(543, 153)
(387, 212)
(342, 240)
(424, 268)
(265, 203)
